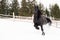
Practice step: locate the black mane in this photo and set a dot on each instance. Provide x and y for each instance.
(37, 12)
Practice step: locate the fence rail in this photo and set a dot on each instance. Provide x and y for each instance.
(23, 17)
(5, 16)
(13, 16)
(56, 23)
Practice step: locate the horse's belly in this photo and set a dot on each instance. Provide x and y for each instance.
(42, 21)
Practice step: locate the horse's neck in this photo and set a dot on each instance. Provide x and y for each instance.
(37, 13)
(37, 16)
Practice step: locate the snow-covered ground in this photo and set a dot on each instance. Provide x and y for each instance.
(19, 29)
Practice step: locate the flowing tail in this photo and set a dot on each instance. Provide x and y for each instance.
(49, 21)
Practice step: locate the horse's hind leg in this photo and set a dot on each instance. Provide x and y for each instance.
(42, 30)
(36, 26)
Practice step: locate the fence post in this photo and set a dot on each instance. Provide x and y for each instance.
(56, 24)
(13, 15)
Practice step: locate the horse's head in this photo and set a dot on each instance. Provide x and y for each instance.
(37, 12)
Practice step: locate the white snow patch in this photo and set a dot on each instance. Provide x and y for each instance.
(20, 29)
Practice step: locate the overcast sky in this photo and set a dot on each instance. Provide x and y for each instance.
(46, 3)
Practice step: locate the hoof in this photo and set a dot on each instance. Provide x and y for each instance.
(43, 33)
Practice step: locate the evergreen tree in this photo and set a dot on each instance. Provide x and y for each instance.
(3, 6)
(9, 10)
(55, 11)
(15, 6)
(0, 8)
(47, 12)
(31, 8)
(24, 9)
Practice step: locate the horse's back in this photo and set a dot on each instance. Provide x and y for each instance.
(42, 20)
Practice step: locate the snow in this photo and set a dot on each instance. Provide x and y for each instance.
(20, 29)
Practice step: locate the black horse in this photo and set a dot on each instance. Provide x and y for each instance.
(40, 20)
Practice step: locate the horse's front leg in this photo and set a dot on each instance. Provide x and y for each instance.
(36, 26)
(42, 30)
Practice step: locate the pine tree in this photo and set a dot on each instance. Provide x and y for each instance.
(31, 8)
(55, 11)
(0, 8)
(24, 9)
(15, 6)
(47, 12)
(3, 6)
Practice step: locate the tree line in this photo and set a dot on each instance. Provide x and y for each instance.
(27, 8)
